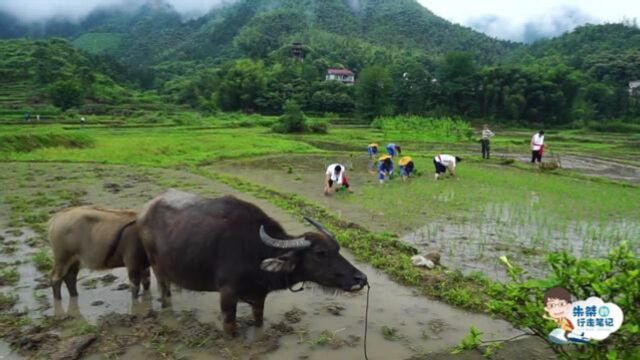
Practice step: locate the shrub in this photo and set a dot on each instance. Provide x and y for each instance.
(318, 126)
(614, 279)
(66, 94)
(293, 120)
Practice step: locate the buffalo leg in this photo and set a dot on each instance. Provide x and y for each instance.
(257, 307)
(135, 271)
(56, 284)
(146, 279)
(71, 278)
(134, 279)
(163, 286)
(228, 304)
(57, 275)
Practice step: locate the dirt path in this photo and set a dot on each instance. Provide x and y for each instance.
(310, 325)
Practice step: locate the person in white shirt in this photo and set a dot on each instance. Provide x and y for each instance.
(485, 141)
(537, 146)
(335, 174)
(444, 163)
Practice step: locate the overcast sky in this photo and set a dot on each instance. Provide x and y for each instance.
(520, 20)
(526, 20)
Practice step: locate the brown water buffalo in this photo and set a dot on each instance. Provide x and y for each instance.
(98, 239)
(232, 246)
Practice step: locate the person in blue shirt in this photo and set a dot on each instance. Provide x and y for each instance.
(372, 149)
(406, 167)
(385, 168)
(393, 150)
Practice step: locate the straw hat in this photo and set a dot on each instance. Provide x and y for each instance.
(405, 160)
(384, 157)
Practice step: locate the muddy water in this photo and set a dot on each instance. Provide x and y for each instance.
(327, 326)
(591, 166)
(477, 246)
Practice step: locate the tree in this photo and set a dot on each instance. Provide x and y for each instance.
(458, 81)
(373, 90)
(242, 83)
(332, 96)
(413, 88)
(66, 94)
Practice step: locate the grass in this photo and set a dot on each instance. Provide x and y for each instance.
(22, 143)
(158, 147)
(7, 301)
(390, 333)
(42, 260)
(9, 276)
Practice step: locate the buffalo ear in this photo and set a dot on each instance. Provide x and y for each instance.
(282, 263)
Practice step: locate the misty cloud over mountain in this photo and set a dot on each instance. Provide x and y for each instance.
(554, 24)
(41, 10)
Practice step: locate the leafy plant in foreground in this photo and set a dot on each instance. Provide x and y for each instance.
(614, 279)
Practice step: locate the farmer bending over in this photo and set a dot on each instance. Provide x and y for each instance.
(406, 167)
(335, 175)
(444, 162)
(372, 150)
(393, 150)
(385, 167)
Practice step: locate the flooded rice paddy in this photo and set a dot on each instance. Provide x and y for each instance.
(472, 238)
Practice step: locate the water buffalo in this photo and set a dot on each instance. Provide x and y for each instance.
(99, 239)
(232, 246)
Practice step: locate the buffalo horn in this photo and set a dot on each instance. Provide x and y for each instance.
(298, 243)
(319, 227)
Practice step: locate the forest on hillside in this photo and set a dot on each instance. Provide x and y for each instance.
(406, 60)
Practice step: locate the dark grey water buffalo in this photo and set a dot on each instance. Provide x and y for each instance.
(98, 239)
(232, 246)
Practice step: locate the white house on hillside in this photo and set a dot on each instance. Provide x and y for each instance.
(345, 76)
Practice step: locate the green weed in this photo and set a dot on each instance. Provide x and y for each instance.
(7, 301)
(42, 260)
(9, 276)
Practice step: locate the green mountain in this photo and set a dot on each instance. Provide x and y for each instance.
(155, 32)
(609, 52)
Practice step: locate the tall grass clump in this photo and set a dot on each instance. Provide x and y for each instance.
(444, 129)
